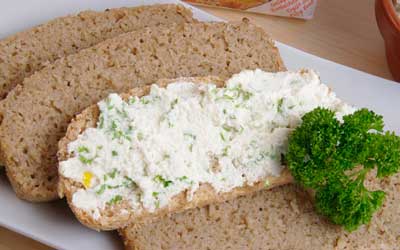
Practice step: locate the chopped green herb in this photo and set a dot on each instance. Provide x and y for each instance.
(85, 160)
(140, 136)
(99, 147)
(118, 133)
(122, 113)
(109, 105)
(235, 93)
(103, 187)
(114, 153)
(115, 200)
(222, 136)
(101, 121)
(227, 128)
(183, 178)
(165, 118)
(173, 103)
(189, 135)
(214, 91)
(113, 125)
(113, 173)
(279, 106)
(262, 156)
(83, 149)
(130, 129)
(132, 100)
(128, 182)
(227, 97)
(225, 151)
(157, 202)
(101, 190)
(267, 184)
(144, 100)
(246, 95)
(164, 182)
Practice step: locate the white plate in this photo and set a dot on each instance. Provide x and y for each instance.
(54, 224)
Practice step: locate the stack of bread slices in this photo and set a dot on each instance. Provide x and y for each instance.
(53, 75)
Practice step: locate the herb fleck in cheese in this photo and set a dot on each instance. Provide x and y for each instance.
(146, 150)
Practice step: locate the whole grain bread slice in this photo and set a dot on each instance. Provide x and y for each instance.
(282, 218)
(117, 216)
(28, 51)
(35, 114)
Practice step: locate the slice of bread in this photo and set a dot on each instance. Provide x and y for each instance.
(35, 114)
(28, 51)
(282, 218)
(120, 215)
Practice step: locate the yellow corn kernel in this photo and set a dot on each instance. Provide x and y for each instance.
(87, 179)
(266, 184)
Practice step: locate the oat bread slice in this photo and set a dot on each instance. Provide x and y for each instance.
(35, 114)
(282, 218)
(27, 51)
(120, 215)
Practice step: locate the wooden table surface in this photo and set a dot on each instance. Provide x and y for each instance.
(342, 31)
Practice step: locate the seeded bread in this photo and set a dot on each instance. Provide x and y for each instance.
(120, 215)
(35, 114)
(28, 51)
(282, 218)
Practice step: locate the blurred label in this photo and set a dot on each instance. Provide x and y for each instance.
(290, 8)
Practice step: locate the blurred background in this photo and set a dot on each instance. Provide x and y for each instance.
(341, 30)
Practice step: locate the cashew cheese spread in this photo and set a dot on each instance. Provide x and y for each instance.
(146, 150)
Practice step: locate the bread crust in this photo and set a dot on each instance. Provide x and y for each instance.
(111, 217)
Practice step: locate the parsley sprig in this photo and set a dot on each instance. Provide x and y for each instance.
(334, 158)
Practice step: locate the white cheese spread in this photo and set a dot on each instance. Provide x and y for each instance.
(147, 150)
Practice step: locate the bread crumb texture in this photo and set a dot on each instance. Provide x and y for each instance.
(282, 218)
(26, 52)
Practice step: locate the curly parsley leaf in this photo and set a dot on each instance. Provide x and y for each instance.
(333, 159)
